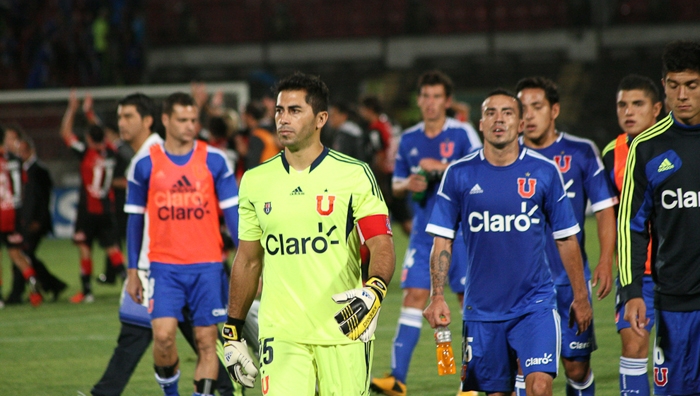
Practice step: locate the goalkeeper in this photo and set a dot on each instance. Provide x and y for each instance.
(305, 214)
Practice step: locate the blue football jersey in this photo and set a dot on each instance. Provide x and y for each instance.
(456, 140)
(584, 176)
(504, 212)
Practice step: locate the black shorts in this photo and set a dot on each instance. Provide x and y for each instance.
(89, 226)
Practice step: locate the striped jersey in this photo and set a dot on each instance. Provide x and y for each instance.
(585, 180)
(96, 175)
(508, 214)
(662, 188)
(309, 224)
(11, 175)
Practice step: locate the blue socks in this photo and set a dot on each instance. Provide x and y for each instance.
(407, 335)
(633, 376)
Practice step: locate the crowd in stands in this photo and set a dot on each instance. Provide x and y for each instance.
(60, 43)
(230, 22)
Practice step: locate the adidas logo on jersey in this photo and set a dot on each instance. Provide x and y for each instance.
(182, 182)
(297, 191)
(413, 152)
(183, 185)
(476, 190)
(665, 165)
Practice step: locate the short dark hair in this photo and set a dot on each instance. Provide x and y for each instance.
(13, 126)
(96, 133)
(372, 103)
(145, 106)
(179, 98)
(680, 55)
(316, 90)
(218, 127)
(436, 77)
(505, 92)
(642, 83)
(551, 92)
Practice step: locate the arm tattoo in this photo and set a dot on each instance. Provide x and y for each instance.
(438, 272)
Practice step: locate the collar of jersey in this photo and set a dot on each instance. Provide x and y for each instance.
(683, 126)
(314, 164)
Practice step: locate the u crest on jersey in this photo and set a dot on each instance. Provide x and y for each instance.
(660, 376)
(530, 190)
(447, 148)
(328, 207)
(565, 165)
(265, 384)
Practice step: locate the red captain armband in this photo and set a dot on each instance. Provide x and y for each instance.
(372, 226)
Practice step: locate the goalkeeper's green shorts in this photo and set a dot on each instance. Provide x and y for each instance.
(288, 368)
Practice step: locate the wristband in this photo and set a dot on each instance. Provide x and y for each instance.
(377, 283)
(232, 329)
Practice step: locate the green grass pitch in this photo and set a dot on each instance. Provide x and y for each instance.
(63, 349)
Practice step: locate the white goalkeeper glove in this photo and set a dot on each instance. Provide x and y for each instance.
(237, 359)
(358, 319)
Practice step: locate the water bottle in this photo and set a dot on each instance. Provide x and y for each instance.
(445, 356)
(420, 196)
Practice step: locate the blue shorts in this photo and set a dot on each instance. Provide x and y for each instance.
(416, 266)
(574, 347)
(201, 287)
(677, 353)
(490, 350)
(647, 295)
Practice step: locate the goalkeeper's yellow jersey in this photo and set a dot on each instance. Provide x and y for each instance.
(306, 222)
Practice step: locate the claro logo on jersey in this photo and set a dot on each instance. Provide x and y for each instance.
(488, 222)
(288, 245)
(579, 345)
(184, 201)
(535, 361)
(672, 199)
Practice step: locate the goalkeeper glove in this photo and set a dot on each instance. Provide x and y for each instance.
(237, 359)
(358, 319)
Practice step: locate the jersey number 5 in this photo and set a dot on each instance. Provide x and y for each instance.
(266, 352)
